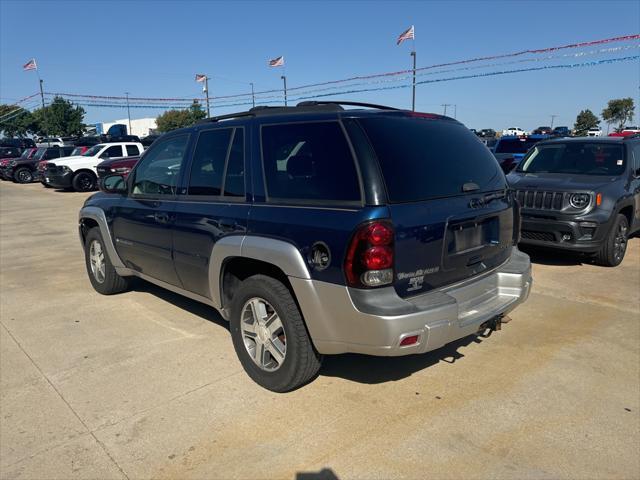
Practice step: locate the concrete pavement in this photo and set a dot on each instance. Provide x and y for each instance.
(146, 384)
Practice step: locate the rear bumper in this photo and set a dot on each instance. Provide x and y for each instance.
(58, 180)
(342, 320)
(578, 236)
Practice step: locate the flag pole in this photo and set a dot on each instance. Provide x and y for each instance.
(413, 54)
(284, 79)
(44, 112)
(206, 87)
(253, 95)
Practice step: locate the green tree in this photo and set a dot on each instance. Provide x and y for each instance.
(16, 121)
(59, 118)
(172, 119)
(584, 121)
(619, 111)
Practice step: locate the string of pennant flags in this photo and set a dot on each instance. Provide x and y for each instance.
(362, 83)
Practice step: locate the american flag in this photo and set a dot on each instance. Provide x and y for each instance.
(30, 65)
(406, 35)
(277, 62)
(200, 77)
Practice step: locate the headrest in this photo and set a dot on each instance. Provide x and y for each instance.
(301, 166)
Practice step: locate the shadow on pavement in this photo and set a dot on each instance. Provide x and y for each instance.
(324, 474)
(552, 257)
(369, 369)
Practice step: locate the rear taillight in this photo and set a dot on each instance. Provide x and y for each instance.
(369, 260)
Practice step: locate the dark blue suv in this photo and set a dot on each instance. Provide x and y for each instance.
(317, 230)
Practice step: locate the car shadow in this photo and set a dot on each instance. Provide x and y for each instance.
(350, 366)
(203, 311)
(371, 370)
(551, 257)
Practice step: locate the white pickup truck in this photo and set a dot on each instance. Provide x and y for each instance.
(517, 131)
(79, 172)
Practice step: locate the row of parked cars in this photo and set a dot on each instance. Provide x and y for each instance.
(70, 167)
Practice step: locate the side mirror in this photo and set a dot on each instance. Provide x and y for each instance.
(114, 184)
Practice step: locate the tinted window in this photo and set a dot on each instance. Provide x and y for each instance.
(159, 168)
(514, 145)
(636, 159)
(575, 158)
(422, 158)
(309, 161)
(51, 153)
(66, 151)
(39, 155)
(234, 179)
(114, 151)
(132, 150)
(207, 169)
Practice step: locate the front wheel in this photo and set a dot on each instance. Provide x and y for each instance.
(84, 182)
(102, 275)
(23, 175)
(614, 247)
(270, 337)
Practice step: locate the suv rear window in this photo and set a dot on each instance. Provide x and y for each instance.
(422, 158)
(309, 162)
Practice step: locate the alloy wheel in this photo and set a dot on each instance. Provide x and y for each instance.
(620, 242)
(263, 334)
(96, 260)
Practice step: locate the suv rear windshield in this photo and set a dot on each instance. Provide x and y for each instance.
(515, 145)
(423, 158)
(575, 158)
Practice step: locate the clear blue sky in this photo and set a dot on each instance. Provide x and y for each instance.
(155, 48)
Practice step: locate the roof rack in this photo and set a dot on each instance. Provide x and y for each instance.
(312, 103)
(226, 117)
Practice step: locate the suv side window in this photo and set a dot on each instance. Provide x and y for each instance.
(636, 160)
(132, 150)
(309, 162)
(52, 153)
(158, 170)
(114, 151)
(207, 169)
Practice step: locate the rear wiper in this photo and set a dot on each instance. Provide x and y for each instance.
(470, 187)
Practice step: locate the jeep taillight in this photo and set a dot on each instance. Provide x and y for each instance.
(369, 260)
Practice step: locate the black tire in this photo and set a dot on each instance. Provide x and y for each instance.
(110, 282)
(301, 361)
(84, 182)
(614, 247)
(23, 175)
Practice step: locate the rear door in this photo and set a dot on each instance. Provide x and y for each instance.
(211, 206)
(448, 201)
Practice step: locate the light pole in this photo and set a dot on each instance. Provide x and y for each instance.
(553, 117)
(445, 105)
(284, 79)
(128, 113)
(253, 95)
(44, 112)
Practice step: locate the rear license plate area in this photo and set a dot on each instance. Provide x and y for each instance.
(466, 237)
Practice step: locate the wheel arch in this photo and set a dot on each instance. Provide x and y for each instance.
(627, 211)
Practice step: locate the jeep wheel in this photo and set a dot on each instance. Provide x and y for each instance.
(615, 245)
(84, 182)
(102, 275)
(23, 175)
(270, 337)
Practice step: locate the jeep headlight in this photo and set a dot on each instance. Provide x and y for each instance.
(579, 200)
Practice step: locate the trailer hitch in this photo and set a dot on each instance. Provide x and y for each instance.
(492, 325)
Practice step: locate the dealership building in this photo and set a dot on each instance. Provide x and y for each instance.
(139, 126)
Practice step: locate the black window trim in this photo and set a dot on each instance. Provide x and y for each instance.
(216, 198)
(132, 175)
(311, 202)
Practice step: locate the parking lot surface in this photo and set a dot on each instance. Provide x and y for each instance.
(146, 384)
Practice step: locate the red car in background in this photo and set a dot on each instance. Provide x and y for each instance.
(121, 166)
(27, 154)
(626, 132)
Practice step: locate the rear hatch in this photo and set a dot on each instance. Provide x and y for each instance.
(447, 197)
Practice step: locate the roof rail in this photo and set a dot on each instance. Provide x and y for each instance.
(227, 117)
(312, 103)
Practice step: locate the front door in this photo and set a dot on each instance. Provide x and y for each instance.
(213, 205)
(142, 225)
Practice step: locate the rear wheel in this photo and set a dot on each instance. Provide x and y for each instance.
(23, 175)
(270, 337)
(102, 275)
(84, 182)
(614, 247)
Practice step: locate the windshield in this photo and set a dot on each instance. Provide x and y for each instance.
(515, 145)
(575, 158)
(76, 151)
(93, 151)
(422, 159)
(26, 153)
